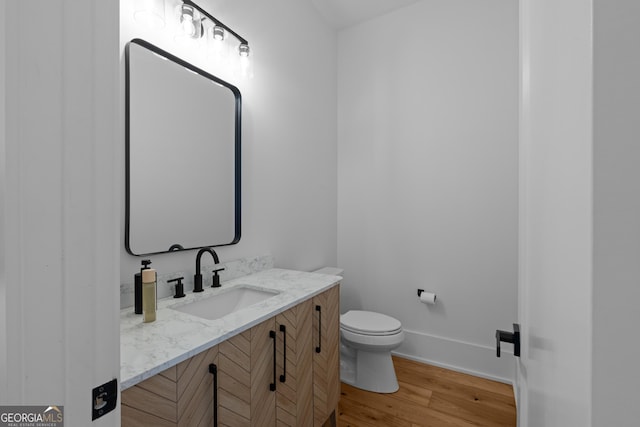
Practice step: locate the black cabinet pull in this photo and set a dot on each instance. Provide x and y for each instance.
(283, 377)
(272, 386)
(213, 369)
(319, 347)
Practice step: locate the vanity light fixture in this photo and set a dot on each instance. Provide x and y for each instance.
(192, 13)
(218, 33)
(243, 50)
(190, 22)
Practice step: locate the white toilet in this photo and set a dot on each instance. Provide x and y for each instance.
(366, 341)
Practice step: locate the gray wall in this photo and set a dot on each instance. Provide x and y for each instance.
(427, 175)
(3, 283)
(616, 212)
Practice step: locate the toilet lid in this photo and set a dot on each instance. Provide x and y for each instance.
(369, 323)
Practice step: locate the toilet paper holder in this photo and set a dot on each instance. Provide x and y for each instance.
(428, 298)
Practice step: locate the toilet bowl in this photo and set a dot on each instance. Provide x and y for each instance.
(366, 341)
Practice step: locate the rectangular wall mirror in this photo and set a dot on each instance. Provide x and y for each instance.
(182, 154)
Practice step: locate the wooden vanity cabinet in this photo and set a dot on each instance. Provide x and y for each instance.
(326, 355)
(183, 395)
(294, 396)
(234, 380)
(283, 397)
(180, 396)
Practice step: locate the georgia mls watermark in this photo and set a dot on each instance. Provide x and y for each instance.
(31, 416)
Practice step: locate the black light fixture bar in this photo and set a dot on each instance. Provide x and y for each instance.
(215, 21)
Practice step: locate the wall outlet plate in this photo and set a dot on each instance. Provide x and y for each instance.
(104, 399)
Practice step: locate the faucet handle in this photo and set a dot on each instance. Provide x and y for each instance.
(216, 278)
(179, 287)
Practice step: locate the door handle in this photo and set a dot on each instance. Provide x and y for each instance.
(272, 335)
(319, 346)
(283, 377)
(510, 337)
(213, 370)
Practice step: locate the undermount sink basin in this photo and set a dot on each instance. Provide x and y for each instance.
(217, 306)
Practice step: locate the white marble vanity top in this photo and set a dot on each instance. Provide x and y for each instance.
(149, 348)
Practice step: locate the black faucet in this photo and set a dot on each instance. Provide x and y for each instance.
(197, 278)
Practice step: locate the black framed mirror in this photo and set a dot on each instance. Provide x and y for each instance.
(182, 154)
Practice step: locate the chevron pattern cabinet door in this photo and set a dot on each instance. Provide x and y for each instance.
(326, 364)
(234, 381)
(151, 402)
(263, 400)
(195, 389)
(294, 397)
(181, 396)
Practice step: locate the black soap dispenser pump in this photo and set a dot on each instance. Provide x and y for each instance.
(137, 286)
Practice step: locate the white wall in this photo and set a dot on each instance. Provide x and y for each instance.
(556, 235)
(3, 283)
(289, 133)
(616, 317)
(427, 175)
(60, 206)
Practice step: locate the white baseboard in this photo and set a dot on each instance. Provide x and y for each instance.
(460, 356)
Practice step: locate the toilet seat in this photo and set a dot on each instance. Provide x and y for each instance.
(369, 323)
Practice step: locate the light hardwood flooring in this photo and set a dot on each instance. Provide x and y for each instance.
(429, 396)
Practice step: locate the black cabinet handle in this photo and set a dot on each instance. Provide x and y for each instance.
(272, 386)
(213, 369)
(283, 377)
(319, 347)
(510, 337)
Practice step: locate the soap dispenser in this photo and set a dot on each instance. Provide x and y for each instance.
(137, 287)
(149, 295)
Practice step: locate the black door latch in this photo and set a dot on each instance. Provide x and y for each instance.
(510, 337)
(104, 399)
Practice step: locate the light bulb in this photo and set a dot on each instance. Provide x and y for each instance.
(190, 23)
(246, 67)
(188, 27)
(216, 45)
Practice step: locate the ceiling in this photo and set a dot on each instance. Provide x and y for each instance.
(345, 13)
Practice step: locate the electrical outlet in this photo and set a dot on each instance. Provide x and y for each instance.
(104, 398)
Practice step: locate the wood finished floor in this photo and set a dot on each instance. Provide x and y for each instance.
(429, 396)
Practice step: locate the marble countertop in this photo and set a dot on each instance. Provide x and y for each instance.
(149, 348)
